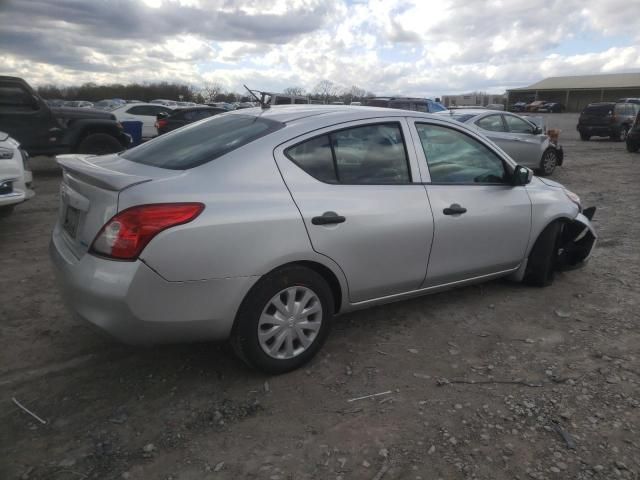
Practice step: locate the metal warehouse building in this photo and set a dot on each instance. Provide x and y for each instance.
(578, 91)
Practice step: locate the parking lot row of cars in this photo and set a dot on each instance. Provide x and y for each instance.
(112, 103)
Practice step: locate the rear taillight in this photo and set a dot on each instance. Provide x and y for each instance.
(125, 235)
(161, 123)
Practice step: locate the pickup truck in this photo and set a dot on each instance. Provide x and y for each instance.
(44, 130)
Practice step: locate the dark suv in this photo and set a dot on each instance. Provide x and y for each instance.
(44, 130)
(607, 119)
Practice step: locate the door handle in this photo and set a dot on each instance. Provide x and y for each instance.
(454, 209)
(328, 218)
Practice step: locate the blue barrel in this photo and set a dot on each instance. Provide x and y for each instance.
(133, 128)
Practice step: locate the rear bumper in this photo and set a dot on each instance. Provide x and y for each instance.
(598, 130)
(131, 302)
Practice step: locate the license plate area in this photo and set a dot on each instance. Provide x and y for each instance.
(71, 220)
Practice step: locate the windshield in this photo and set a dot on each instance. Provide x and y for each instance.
(202, 141)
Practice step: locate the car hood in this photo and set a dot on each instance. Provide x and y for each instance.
(80, 113)
(3, 136)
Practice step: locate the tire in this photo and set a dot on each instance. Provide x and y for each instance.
(548, 162)
(99, 144)
(6, 211)
(542, 262)
(258, 309)
(632, 147)
(621, 136)
(584, 137)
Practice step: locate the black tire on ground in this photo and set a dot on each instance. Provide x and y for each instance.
(548, 162)
(541, 265)
(632, 147)
(6, 211)
(244, 337)
(620, 136)
(99, 144)
(584, 137)
(623, 134)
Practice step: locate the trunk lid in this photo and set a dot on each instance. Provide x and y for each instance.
(89, 194)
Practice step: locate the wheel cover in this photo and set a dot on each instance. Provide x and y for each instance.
(290, 322)
(549, 161)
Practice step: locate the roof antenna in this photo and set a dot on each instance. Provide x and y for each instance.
(262, 101)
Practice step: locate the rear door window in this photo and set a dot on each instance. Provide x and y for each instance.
(368, 154)
(315, 157)
(202, 142)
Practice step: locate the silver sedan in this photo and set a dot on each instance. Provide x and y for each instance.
(522, 139)
(259, 226)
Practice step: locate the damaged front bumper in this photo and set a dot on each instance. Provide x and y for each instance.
(577, 241)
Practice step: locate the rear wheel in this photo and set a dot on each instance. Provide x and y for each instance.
(284, 320)
(99, 144)
(632, 147)
(584, 137)
(548, 162)
(542, 262)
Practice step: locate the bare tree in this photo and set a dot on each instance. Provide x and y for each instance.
(210, 90)
(357, 92)
(326, 89)
(294, 91)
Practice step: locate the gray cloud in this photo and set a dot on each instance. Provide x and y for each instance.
(58, 31)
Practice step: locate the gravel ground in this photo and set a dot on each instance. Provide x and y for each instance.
(494, 381)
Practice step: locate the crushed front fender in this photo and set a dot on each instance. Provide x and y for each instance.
(577, 242)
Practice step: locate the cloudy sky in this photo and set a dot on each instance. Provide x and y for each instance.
(402, 47)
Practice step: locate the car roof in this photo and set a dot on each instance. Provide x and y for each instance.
(310, 117)
(196, 107)
(467, 111)
(290, 113)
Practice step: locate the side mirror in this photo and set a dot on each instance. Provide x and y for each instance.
(521, 176)
(537, 130)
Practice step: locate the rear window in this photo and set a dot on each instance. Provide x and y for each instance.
(462, 117)
(202, 142)
(598, 109)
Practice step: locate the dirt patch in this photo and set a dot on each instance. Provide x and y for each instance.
(494, 381)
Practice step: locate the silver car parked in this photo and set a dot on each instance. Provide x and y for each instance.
(522, 139)
(260, 226)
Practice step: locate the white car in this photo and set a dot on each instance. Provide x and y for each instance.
(167, 103)
(15, 179)
(142, 112)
